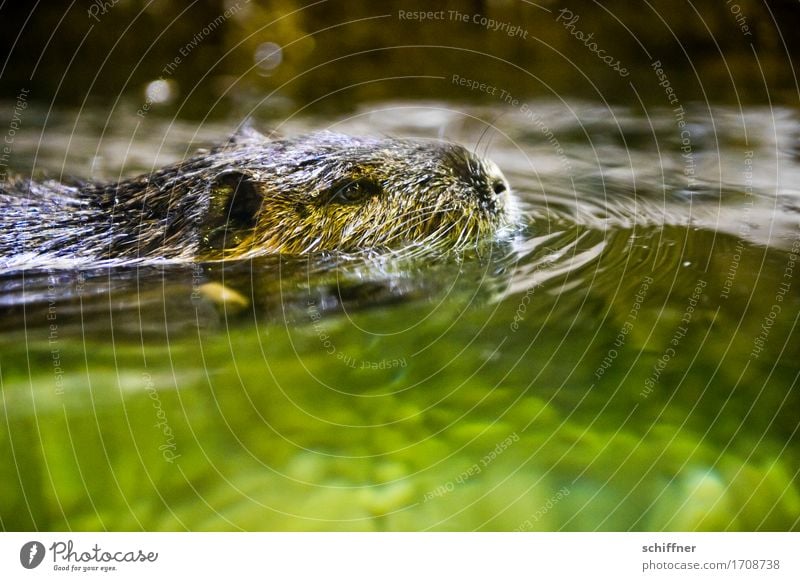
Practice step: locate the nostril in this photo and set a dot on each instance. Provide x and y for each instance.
(499, 187)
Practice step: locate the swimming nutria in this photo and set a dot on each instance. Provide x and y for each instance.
(252, 196)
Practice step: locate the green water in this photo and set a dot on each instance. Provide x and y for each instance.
(628, 361)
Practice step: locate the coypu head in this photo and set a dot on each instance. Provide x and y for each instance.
(326, 191)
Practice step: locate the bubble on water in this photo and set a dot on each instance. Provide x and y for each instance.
(268, 57)
(160, 91)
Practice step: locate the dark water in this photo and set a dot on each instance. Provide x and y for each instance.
(628, 361)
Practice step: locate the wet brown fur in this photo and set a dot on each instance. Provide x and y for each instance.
(255, 196)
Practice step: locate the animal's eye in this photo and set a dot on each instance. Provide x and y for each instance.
(354, 191)
(498, 187)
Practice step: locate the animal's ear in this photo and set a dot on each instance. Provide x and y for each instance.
(247, 134)
(235, 199)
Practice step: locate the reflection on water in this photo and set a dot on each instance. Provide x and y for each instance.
(626, 362)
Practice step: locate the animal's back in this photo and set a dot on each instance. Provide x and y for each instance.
(318, 192)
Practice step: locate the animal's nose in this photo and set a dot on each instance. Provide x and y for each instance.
(495, 178)
(498, 186)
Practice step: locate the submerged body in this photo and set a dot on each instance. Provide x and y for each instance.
(255, 196)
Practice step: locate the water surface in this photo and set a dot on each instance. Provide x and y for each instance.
(627, 361)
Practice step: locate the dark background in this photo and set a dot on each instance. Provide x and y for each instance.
(331, 54)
